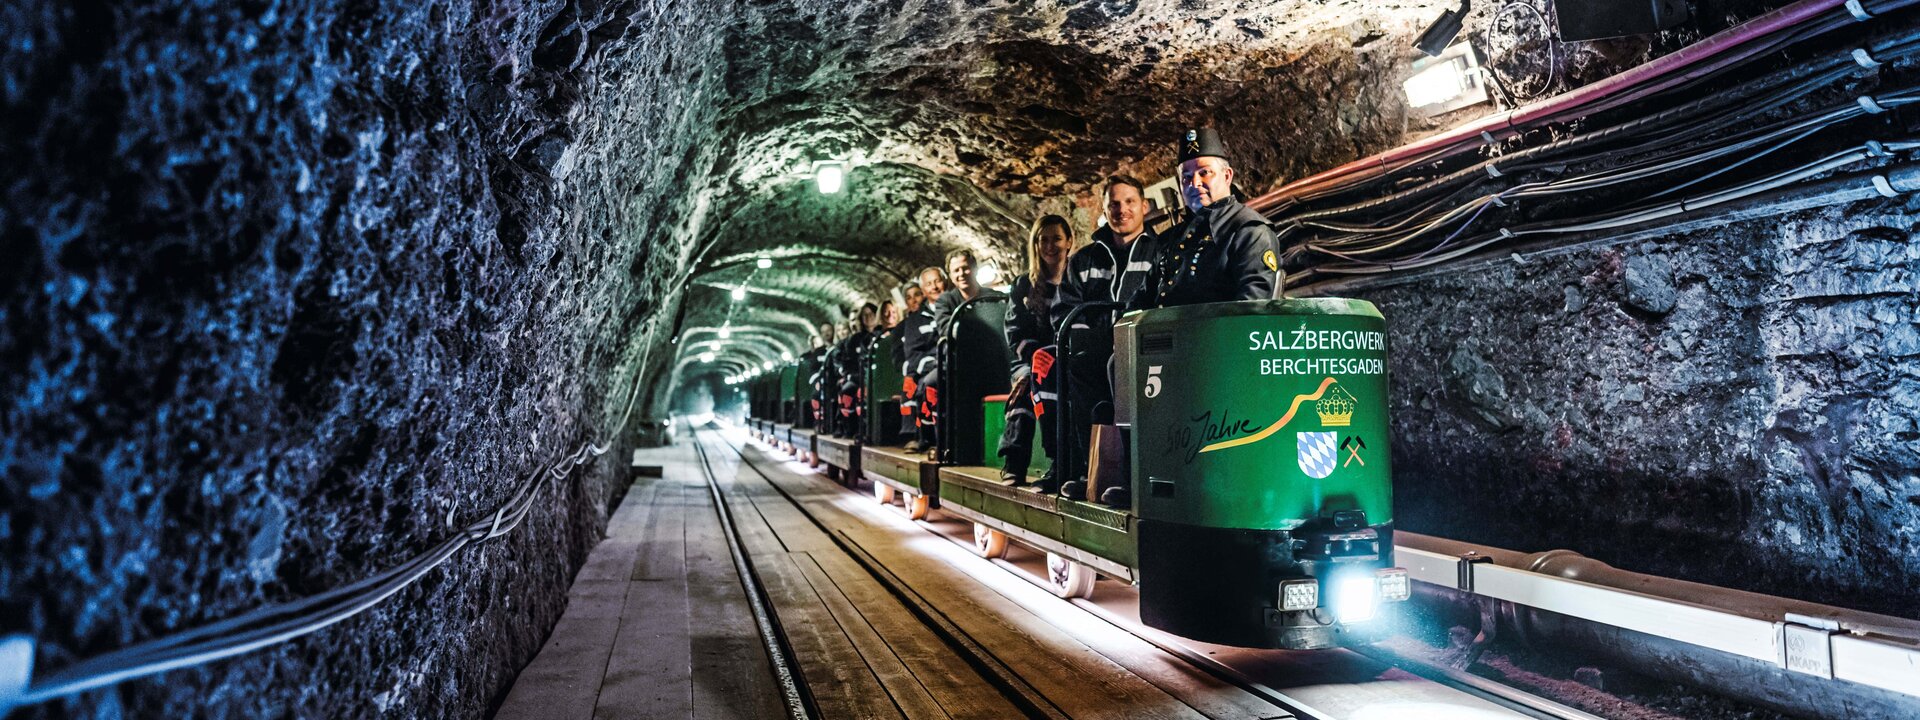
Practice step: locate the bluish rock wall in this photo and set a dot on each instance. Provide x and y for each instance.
(292, 291)
(1735, 406)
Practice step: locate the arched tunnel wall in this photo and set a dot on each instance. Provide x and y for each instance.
(292, 292)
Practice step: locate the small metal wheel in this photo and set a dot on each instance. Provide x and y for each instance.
(990, 543)
(917, 506)
(1069, 578)
(883, 493)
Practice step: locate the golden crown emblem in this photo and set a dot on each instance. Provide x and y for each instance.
(1336, 409)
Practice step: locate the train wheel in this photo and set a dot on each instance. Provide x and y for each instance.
(1068, 577)
(917, 506)
(883, 493)
(990, 543)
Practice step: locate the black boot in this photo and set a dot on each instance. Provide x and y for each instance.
(1018, 478)
(1117, 497)
(1048, 482)
(1074, 490)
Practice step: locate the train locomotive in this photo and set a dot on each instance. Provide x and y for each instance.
(1258, 460)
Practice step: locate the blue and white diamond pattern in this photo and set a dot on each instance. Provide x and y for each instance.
(1317, 453)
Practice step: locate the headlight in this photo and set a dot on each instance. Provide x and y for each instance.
(1353, 597)
(1299, 595)
(1394, 585)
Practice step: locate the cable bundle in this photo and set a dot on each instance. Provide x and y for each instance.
(1449, 199)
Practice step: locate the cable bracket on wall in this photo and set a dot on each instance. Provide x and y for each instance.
(1859, 11)
(1865, 59)
(1493, 170)
(1870, 105)
(1885, 188)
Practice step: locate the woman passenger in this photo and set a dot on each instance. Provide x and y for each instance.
(1030, 336)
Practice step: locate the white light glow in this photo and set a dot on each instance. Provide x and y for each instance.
(786, 355)
(988, 274)
(766, 366)
(1353, 599)
(740, 293)
(830, 177)
(763, 263)
(706, 357)
(725, 332)
(1436, 85)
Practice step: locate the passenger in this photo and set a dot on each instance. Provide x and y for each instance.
(918, 342)
(1030, 311)
(960, 270)
(961, 266)
(1111, 269)
(848, 364)
(817, 381)
(1225, 251)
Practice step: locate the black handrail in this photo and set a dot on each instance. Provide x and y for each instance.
(1065, 444)
(944, 436)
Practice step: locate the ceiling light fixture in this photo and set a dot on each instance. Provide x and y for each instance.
(725, 332)
(1441, 33)
(988, 274)
(740, 293)
(830, 176)
(706, 357)
(763, 263)
(787, 355)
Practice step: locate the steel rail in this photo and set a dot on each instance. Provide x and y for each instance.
(793, 689)
(1502, 695)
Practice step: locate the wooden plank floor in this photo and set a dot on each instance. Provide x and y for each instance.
(657, 624)
(1083, 670)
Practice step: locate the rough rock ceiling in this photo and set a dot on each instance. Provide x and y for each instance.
(963, 120)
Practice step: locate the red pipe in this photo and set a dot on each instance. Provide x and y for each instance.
(1665, 72)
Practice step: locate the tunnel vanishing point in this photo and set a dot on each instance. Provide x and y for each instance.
(297, 292)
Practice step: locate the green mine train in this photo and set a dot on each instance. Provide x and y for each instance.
(1258, 457)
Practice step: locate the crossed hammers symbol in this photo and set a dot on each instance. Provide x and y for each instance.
(1353, 445)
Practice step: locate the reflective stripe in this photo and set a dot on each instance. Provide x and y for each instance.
(927, 328)
(1139, 266)
(1095, 274)
(1044, 395)
(924, 361)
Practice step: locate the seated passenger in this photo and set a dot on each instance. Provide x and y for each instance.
(817, 359)
(960, 268)
(1030, 336)
(848, 357)
(1111, 269)
(917, 344)
(1225, 251)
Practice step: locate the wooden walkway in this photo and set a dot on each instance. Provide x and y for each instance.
(885, 620)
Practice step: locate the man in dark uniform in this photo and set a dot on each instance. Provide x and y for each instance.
(847, 358)
(817, 359)
(918, 338)
(1224, 251)
(1110, 269)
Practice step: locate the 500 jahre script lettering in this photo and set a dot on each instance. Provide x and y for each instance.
(1203, 430)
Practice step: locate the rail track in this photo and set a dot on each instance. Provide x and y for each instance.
(1323, 685)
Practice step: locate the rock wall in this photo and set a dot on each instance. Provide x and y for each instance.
(1734, 406)
(293, 291)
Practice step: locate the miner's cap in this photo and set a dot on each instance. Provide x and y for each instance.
(1201, 142)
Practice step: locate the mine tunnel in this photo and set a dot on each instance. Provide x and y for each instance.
(1078, 359)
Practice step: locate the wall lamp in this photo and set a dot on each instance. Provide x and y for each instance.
(1446, 83)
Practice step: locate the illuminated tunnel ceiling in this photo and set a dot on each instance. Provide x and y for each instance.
(962, 121)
